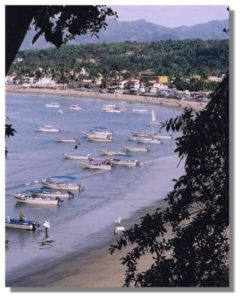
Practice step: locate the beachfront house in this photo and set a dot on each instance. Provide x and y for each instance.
(215, 79)
(9, 80)
(45, 82)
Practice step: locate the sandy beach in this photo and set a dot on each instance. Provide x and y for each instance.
(96, 270)
(173, 103)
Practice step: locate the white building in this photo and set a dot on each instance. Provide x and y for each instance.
(45, 82)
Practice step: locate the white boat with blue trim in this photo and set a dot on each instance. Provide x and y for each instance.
(19, 224)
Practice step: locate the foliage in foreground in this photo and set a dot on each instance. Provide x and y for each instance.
(196, 252)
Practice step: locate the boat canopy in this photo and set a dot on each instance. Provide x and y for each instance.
(61, 178)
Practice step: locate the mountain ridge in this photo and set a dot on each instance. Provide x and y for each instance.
(140, 31)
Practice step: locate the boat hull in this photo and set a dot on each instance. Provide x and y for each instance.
(52, 195)
(135, 149)
(23, 225)
(47, 129)
(110, 153)
(124, 163)
(77, 157)
(20, 198)
(96, 166)
(99, 139)
(61, 186)
(66, 140)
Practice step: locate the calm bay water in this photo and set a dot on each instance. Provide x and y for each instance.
(88, 219)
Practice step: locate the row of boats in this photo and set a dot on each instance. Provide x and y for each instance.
(54, 191)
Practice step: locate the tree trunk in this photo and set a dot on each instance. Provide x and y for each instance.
(18, 19)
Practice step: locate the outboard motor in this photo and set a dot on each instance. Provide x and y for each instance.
(35, 225)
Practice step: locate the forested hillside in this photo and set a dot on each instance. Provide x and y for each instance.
(172, 58)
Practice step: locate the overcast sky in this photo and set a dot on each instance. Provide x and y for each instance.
(172, 16)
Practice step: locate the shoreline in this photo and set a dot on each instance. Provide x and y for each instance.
(171, 103)
(94, 268)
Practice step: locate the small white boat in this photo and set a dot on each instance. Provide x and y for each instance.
(144, 140)
(135, 149)
(46, 128)
(66, 139)
(77, 157)
(52, 105)
(118, 227)
(21, 198)
(49, 183)
(50, 193)
(98, 137)
(153, 119)
(18, 224)
(96, 165)
(162, 137)
(122, 162)
(111, 108)
(75, 107)
(151, 135)
(114, 152)
(141, 111)
(141, 134)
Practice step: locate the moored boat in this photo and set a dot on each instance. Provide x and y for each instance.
(123, 162)
(77, 157)
(135, 149)
(144, 140)
(96, 165)
(141, 111)
(22, 198)
(53, 183)
(47, 128)
(114, 152)
(111, 108)
(75, 107)
(50, 193)
(150, 135)
(98, 137)
(52, 105)
(162, 137)
(66, 139)
(19, 224)
(101, 130)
